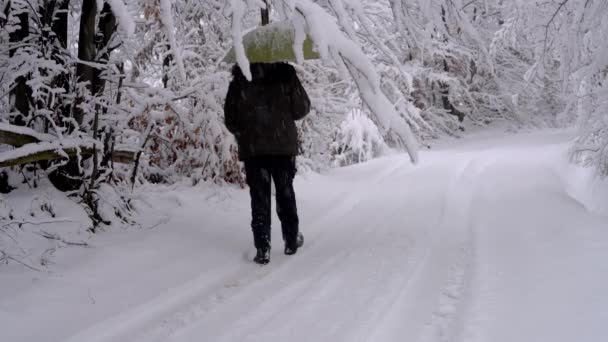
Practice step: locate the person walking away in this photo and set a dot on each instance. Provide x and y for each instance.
(261, 114)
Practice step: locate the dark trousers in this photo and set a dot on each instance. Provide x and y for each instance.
(260, 171)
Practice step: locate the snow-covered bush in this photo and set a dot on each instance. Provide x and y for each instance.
(178, 109)
(591, 146)
(357, 140)
(567, 80)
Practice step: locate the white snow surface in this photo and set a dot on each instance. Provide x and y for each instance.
(492, 238)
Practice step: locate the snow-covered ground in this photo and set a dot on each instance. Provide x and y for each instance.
(493, 238)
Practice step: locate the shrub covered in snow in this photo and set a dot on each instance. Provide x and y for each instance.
(357, 140)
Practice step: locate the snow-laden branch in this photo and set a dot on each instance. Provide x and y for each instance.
(333, 45)
(124, 18)
(166, 17)
(348, 56)
(238, 12)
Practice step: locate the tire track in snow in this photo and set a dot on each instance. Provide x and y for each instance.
(270, 303)
(285, 293)
(178, 307)
(319, 291)
(448, 319)
(348, 203)
(352, 308)
(281, 287)
(443, 324)
(200, 303)
(426, 309)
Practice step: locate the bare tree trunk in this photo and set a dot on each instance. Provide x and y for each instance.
(266, 14)
(167, 66)
(59, 27)
(60, 23)
(105, 31)
(86, 51)
(445, 92)
(121, 69)
(5, 187)
(6, 10)
(21, 94)
(68, 177)
(106, 28)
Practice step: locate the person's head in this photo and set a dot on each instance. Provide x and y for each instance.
(266, 72)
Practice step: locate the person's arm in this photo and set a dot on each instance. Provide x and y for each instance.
(231, 108)
(300, 103)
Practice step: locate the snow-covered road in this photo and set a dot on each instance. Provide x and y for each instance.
(483, 241)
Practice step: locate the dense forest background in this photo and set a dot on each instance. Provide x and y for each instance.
(99, 96)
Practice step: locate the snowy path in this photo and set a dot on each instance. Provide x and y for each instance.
(480, 242)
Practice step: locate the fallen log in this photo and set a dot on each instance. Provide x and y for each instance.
(18, 136)
(51, 150)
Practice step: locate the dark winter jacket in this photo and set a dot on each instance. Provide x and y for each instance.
(261, 113)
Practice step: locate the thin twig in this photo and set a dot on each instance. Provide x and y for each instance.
(143, 146)
(562, 4)
(5, 256)
(51, 236)
(9, 235)
(36, 223)
(467, 4)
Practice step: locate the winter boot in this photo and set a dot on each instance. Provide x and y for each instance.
(262, 257)
(291, 250)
